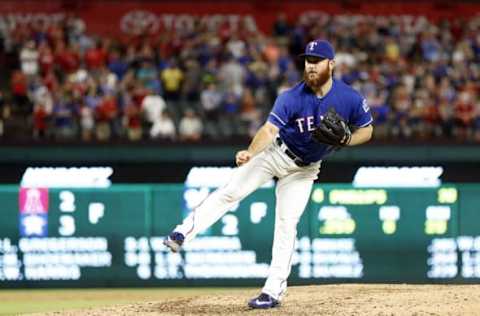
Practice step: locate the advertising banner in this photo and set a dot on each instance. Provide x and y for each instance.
(127, 18)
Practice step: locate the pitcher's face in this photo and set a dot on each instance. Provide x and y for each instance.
(317, 71)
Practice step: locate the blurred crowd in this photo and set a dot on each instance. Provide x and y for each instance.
(421, 79)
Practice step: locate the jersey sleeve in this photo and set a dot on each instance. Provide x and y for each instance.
(361, 115)
(279, 116)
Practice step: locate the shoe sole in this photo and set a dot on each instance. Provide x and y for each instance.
(263, 306)
(174, 247)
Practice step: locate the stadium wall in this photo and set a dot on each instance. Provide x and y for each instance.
(111, 237)
(195, 153)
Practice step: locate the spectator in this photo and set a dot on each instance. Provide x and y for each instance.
(95, 57)
(43, 96)
(152, 107)
(163, 127)
(192, 81)
(271, 51)
(430, 46)
(210, 100)
(40, 121)
(147, 76)
(107, 81)
(190, 128)
(236, 47)
(29, 59)
(250, 115)
(232, 76)
(133, 122)
(464, 115)
(446, 113)
(281, 27)
(230, 104)
(64, 116)
(45, 58)
(106, 115)
(67, 57)
(117, 64)
(18, 86)
(51, 81)
(381, 114)
(415, 73)
(87, 122)
(172, 78)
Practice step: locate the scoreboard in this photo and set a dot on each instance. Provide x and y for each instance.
(69, 237)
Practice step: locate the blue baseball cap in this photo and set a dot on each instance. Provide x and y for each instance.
(319, 48)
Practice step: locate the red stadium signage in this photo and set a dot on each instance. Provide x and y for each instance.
(10, 21)
(139, 17)
(140, 22)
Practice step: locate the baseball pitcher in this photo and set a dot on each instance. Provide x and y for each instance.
(314, 118)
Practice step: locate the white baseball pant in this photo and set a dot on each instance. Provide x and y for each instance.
(292, 193)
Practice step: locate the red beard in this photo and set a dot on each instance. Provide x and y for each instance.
(317, 80)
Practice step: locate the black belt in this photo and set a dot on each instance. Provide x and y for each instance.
(298, 161)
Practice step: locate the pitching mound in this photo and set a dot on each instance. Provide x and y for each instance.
(345, 299)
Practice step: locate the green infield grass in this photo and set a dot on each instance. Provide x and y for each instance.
(16, 302)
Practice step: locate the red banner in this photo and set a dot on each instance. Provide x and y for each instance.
(133, 17)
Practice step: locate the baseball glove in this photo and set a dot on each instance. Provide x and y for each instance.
(332, 130)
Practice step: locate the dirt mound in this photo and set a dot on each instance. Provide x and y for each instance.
(344, 299)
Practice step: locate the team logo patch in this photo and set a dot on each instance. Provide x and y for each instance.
(33, 211)
(312, 45)
(365, 106)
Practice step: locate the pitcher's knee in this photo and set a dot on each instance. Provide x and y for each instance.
(229, 196)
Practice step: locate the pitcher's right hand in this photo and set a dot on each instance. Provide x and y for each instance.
(242, 157)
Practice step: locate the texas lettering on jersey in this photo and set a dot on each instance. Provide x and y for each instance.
(306, 124)
(298, 111)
